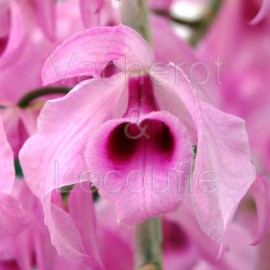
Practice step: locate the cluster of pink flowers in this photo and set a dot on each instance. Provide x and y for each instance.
(100, 131)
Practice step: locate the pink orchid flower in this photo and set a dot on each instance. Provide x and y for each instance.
(17, 18)
(243, 88)
(95, 133)
(184, 243)
(83, 243)
(253, 212)
(12, 217)
(20, 122)
(249, 226)
(258, 124)
(261, 193)
(242, 60)
(107, 245)
(16, 81)
(31, 246)
(186, 248)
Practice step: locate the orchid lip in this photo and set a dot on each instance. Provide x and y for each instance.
(146, 170)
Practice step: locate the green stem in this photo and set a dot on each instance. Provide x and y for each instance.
(26, 100)
(205, 22)
(168, 15)
(149, 245)
(134, 14)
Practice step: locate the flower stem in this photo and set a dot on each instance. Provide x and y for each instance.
(134, 14)
(149, 245)
(26, 100)
(205, 22)
(166, 14)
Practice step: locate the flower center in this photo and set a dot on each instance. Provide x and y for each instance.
(141, 99)
(127, 137)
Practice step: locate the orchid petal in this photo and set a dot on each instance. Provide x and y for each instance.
(81, 209)
(119, 248)
(53, 157)
(186, 219)
(29, 117)
(14, 129)
(35, 238)
(184, 57)
(238, 254)
(223, 156)
(88, 52)
(16, 35)
(222, 153)
(66, 236)
(7, 173)
(45, 11)
(261, 193)
(264, 11)
(89, 10)
(148, 174)
(119, 237)
(12, 216)
(32, 53)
